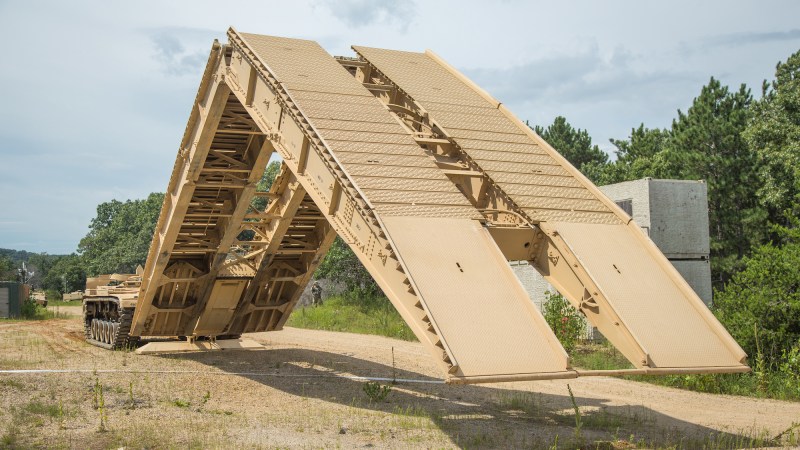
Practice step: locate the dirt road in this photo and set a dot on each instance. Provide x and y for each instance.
(298, 393)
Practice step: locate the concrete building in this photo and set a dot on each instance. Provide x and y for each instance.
(674, 213)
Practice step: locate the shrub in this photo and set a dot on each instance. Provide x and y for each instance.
(377, 392)
(760, 306)
(566, 322)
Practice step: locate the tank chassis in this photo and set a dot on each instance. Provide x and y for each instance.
(108, 305)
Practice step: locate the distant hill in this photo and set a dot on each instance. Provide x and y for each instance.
(37, 263)
(19, 256)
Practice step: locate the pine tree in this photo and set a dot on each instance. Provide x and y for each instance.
(774, 132)
(574, 144)
(706, 143)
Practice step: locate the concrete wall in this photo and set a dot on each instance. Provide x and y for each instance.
(698, 274)
(534, 283)
(674, 213)
(637, 192)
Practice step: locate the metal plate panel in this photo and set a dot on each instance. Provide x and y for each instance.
(368, 148)
(657, 312)
(485, 135)
(389, 184)
(546, 191)
(334, 98)
(521, 168)
(4, 308)
(507, 147)
(479, 305)
(562, 215)
(414, 197)
(481, 118)
(513, 180)
(571, 204)
(383, 159)
(527, 158)
(396, 172)
(351, 125)
(455, 212)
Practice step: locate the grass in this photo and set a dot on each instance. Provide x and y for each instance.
(599, 357)
(32, 311)
(765, 384)
(69, 303)
(37, 407)
(353, 315)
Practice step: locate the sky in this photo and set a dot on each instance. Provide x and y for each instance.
(95, 95)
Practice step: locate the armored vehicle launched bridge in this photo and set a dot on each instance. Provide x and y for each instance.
(434, 184)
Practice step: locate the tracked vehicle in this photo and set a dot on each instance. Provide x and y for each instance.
(108, 305)
(435, 186)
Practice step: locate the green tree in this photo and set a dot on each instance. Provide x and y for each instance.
(641, 155)
(574, 144)
(40, 264)
(119, 237)
(762, 302)
(342, 265)
(706, 143)
(260, 203)
(68, 274)
(7, 269)
(774, 131)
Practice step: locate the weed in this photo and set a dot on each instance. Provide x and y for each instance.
(394, 369)
(578, 424)
(11, 438)
(12, 384)
(131, 402)
(42, 409)
(61, 415)
(95, 390)
(355, 315)
(527, 402)
(101, 406)
(206, 397)
(376, 392)
(181, 403)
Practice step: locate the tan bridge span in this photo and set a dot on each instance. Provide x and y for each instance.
(435, 186)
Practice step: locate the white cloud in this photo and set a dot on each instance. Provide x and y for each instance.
(361, 13)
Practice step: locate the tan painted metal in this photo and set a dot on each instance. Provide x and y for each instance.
(582, 240)
(433, 184)
(160, 347)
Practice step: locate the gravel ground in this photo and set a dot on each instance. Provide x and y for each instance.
(297, 392)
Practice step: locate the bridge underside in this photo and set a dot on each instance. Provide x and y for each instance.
(435, 186)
